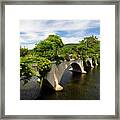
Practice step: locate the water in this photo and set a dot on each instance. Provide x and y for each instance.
(76, 87)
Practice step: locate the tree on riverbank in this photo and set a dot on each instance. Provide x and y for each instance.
(89, 47)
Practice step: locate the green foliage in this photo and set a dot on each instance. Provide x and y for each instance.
(23, 51)
(43, 46)
(43, 65)
(49, 47)
(89, 47)
(67, 50)
(26, 67)
(55, 40)
(59, 60)
(75, 56)
(67, 57)
(26, 70)
(56, 43)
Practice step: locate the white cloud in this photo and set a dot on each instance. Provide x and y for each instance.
(71, 40)
(36, 30)
(46, 26)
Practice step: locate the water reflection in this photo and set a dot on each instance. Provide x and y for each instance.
(76, 87)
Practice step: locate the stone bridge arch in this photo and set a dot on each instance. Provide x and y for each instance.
(75, 67)
(57, 71)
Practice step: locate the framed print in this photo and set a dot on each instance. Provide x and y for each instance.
(59, 59)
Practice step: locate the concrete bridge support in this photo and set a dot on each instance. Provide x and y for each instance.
(57, 71)
(96, 62)
(53, 77)
(90, 60)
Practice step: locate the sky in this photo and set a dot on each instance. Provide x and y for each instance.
(70, 31)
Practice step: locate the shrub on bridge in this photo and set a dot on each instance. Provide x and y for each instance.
(26, 69)
(75, 56)
(23, 51)
(58, 60)
(67, 57)
(44, 66)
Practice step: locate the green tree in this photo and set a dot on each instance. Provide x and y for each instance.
(56, 43)
(82, 49)
(67, 50)
(43, 46)
(89, 47)
(23, 51)
(26, 66)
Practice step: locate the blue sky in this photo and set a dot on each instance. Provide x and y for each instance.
(71, 31)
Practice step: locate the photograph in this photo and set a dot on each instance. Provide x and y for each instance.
(59, 59)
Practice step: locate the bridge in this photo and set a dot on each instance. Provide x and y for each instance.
(30, 90)
(57, 71)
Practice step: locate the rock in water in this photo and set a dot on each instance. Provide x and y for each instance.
(30, 89)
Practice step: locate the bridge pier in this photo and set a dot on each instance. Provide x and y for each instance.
(53, 78)
(57, 87)
(84, 72)
(82, 66)
(96, 62)
(90, 60)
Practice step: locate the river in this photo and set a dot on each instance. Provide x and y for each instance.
(76, 86)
